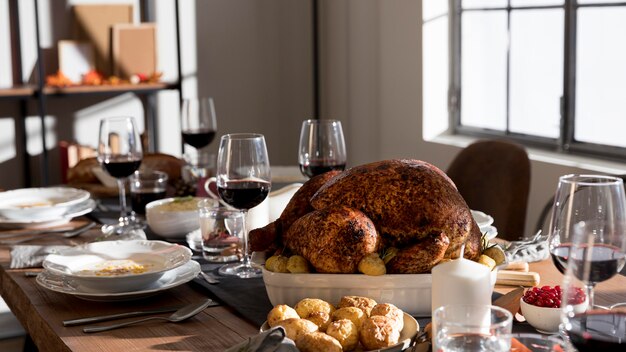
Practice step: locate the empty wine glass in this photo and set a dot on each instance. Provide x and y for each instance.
(243, 182)
(119, 153)
(199, 122)
(322, 147)
(592, 207)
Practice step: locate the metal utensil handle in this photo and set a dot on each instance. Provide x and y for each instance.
(73, 322)
(115, 326)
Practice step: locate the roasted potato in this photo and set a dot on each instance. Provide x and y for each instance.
(364, 303)
(345, 332)
(371, 264)
(354, 314)
(280, 312)
(277, 264)
(296, 327)
(321, 319)
(308, 306)
(297, 264)
(378, 332)
(487, 261)
(390, 311)
(317, 342)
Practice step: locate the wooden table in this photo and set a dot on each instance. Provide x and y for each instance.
(41, 312)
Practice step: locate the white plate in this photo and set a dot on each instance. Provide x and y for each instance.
(482, 219)
(172, 278)
(39, 203)
(117, 266)
(411, 327)
(70, 213)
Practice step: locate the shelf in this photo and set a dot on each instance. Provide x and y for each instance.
(17, 92)
(108, 89)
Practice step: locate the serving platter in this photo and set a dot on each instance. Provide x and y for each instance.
(66, 285)
(408, 333)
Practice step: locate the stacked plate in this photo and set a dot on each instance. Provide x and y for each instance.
(39, 207)
(484, 222)
(118, 270)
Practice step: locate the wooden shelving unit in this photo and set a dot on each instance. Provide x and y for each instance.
(41, 93)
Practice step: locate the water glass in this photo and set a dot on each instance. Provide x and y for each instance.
(221, 231)
(145, 187)
(472, 328)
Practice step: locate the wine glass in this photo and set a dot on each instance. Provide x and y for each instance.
(243, 182)
(322, 147)
(119, 153)
(199, 123)
(588, 228)
(597, 252)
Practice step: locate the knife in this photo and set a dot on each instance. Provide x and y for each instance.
(74, 322)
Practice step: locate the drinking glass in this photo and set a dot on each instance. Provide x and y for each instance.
(597, 252)
(119, 153)
(471, 328)
(322, 147)
(199, 122)
(145, 187)
(592, 207)
(221, 231)
(243, 182)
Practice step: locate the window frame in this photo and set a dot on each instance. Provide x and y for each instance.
(565, 142)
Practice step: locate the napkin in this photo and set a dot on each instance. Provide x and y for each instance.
(31, 256)
(272, 340)
(533, 250)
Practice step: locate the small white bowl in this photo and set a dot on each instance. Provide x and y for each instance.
(117, 266)
(546, 320)
(172, 223)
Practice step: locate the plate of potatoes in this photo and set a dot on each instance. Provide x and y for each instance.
(356, 323)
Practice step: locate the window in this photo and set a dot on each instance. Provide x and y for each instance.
(546, 73)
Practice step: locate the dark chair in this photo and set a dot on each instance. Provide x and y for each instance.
(494, 177)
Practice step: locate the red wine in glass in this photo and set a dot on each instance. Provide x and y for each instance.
(121, 166)
(598, 330)
(244, 194)
(199, 138)
(140, 198)
(601, 260)
(316, 167)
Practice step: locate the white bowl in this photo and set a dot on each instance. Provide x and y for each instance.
(546, 320)
(409, 292)
(172, 224)
(39, 203)
(117, 266)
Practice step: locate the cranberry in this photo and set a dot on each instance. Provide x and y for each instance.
(550, 297)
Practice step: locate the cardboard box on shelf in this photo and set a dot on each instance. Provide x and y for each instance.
(134, 50)
(92, 23)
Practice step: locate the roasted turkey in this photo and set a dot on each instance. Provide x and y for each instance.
(413, 206)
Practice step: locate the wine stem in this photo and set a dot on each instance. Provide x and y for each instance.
(246, 255)
(590, 295)
(121, 184)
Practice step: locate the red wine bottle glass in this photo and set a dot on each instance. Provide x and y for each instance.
(322, 147)
(597, 252)
(119, 153)
(243, 182)
(199, 123)
(588, 229)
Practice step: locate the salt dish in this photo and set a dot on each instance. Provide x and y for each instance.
(117, 266)
(39, 203)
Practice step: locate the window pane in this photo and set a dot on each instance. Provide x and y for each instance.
(598, 1)
(435, 71)
(433, 8)
(536, 72)
(483, 69)
(535, 2)
(600, 76)
(472, 4)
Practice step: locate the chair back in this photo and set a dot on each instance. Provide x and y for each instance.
(494, 177)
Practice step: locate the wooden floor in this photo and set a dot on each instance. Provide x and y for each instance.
(12, 345)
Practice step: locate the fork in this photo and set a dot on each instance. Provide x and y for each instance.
(67, 234)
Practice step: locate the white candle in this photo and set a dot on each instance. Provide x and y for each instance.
(460, 281)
